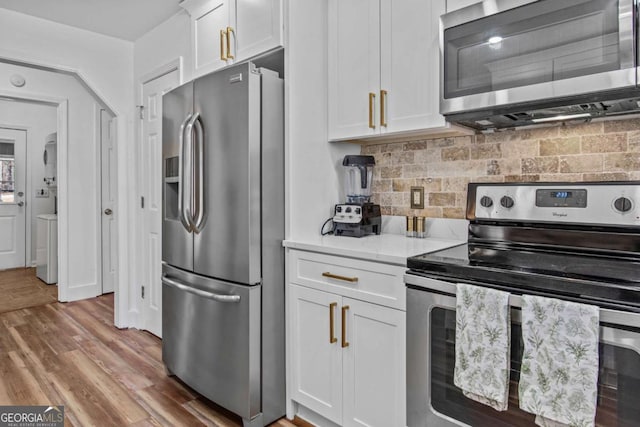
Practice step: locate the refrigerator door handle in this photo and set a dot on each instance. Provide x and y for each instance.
(204, 294)
(199, 217)
(191, 208)
(182, 212)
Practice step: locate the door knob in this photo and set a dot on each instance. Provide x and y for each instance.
(21, 204)
(108, 211)
(20, 194)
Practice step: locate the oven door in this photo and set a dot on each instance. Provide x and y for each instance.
(504, 52)
(433, 399)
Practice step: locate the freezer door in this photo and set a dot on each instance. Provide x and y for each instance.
(211, 338)
(228, 246)
(177, 240)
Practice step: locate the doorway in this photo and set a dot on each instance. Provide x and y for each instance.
(13, 165)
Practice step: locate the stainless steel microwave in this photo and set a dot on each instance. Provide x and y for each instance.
(508, 63)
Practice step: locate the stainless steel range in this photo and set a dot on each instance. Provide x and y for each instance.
(573, 241)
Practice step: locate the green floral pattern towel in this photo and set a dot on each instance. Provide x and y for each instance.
(483, 345)
(559, 373)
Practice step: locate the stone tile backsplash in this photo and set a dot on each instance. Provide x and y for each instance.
(603, 151)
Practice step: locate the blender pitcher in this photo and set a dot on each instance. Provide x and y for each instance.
(358, 178)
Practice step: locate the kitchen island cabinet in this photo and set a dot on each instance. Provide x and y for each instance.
(384, 68)
(224, 32)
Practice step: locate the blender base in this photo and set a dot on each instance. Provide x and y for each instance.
(357, 220)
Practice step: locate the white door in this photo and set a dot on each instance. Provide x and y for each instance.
(151, 202)
(13, 162)
(316, 351)
(354, 68)
(109, 211)
(374, 365)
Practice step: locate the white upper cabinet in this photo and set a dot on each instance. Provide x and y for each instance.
(354, 67)
(459, 4)
(209, 22)
(410, 70)
(258, 27)
(383, 67)
(227, 31)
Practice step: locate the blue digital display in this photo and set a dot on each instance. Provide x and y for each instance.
(561, 194)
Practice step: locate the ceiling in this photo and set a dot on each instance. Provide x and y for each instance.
(124, 19)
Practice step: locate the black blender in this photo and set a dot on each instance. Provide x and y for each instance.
(358, 216)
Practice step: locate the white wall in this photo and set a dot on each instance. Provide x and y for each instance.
(106, 65)
(39, 120)
(315, 165)
(164, 44)
(106, 62)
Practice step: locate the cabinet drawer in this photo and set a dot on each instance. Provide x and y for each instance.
(370, 281)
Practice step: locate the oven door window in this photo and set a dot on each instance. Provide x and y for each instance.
(540, 42)
(618, 384)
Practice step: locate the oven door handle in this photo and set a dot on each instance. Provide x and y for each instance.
(614, 317)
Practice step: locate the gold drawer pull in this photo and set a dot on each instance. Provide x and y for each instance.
(222, 55)
(372, 101)
(335, 276)
(332, 337)
(383, 107)
(345, 343)
(229, 32)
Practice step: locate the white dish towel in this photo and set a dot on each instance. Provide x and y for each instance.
(483, 345)
(559, 373)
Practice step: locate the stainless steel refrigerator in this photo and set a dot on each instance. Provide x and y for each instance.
(223, 225)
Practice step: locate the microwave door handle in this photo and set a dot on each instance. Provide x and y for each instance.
(627, 32)
(181, 176)
(200, 214)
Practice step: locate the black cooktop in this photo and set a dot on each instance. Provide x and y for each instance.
(611, 280)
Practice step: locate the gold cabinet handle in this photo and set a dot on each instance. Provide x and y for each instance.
(372, 101)
(332, 337)
(229, 32)
(222, 55)
(335, 276)
(345, 343)
(383, 101)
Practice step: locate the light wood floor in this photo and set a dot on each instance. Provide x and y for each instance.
(71, 354)
(20, 288)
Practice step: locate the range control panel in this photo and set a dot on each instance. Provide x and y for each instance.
(602, 203)
(553, 198)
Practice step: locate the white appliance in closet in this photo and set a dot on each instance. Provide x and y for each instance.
(47, 248)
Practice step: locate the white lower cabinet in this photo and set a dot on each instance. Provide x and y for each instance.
(373, 366)
(346, 357)
(316, 361)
